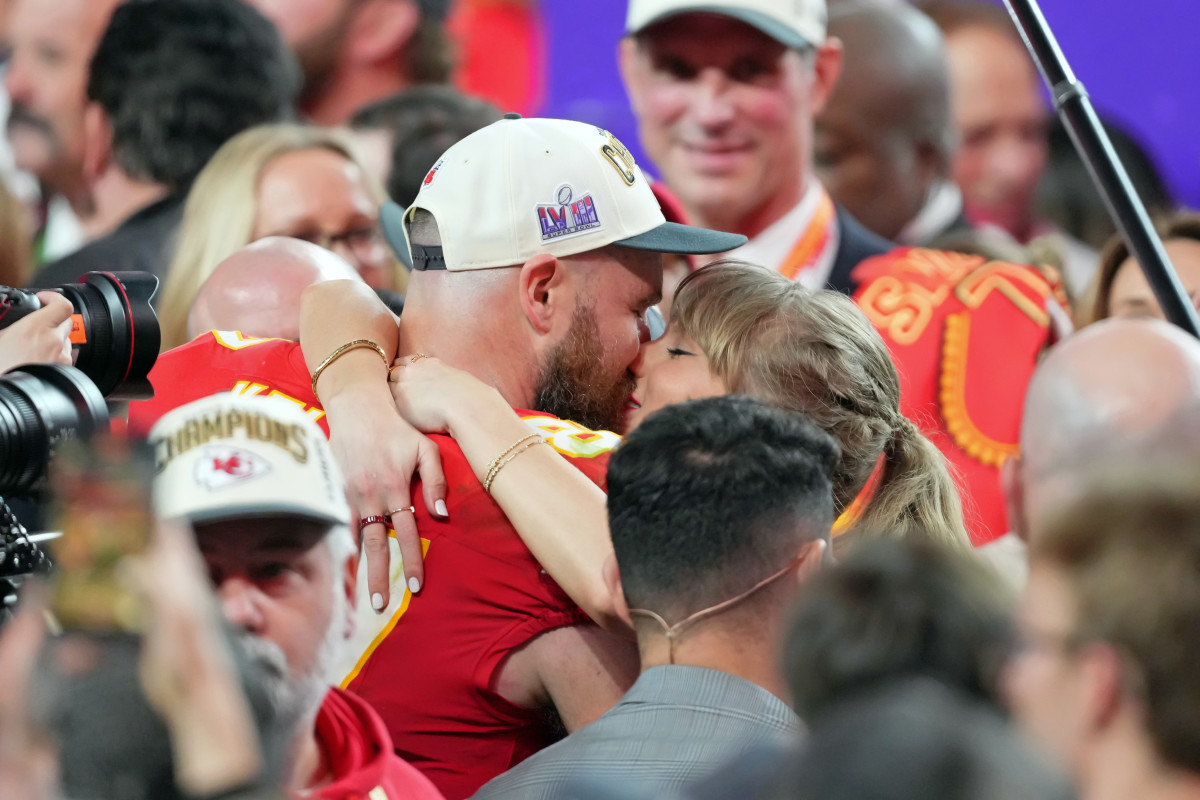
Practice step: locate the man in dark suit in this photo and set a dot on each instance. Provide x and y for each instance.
(747, 487)
(725, 92)
(884, 141)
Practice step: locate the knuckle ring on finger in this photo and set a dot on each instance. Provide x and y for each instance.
(418, 357)
(410, 509)
(372, 520)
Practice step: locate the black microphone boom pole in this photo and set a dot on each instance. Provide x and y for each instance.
(1075, 109)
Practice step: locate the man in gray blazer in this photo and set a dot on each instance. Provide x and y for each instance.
(717, 508)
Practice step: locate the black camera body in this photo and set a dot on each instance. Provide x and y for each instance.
(114, 331)
(115, 338)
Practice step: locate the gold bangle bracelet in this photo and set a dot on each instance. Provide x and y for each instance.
(506, 458)
(492, 465)
(341, 351)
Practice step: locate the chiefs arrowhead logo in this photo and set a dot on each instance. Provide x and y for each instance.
(224, 466)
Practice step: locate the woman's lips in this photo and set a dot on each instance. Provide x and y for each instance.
(632, 404)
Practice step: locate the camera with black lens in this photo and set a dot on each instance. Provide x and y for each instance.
(115, 339)
(114, 331)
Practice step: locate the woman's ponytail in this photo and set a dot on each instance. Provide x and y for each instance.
(915, 494)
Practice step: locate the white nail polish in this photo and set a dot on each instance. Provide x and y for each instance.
(440, 505)
(377, 601)
(414, 585)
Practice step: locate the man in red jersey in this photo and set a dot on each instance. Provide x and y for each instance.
(536, 250)
(242, 314)
(256, 479)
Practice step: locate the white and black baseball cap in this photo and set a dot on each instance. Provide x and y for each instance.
(795, 23)
(231, 456)
(522, 187)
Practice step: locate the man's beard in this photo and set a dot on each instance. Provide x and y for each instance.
(295, 699)
(573, 384)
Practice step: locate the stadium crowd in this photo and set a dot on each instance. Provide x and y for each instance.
(839, 451)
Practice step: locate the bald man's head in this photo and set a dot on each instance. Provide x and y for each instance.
(257, 289)
(1112, 385)
(884, 138)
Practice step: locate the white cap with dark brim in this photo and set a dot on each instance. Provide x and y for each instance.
(798, 24)
(233, 456)
(524, 187)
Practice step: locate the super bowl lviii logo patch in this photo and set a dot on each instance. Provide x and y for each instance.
(570, 215)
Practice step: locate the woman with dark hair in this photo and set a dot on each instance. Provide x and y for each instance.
(1121, 290)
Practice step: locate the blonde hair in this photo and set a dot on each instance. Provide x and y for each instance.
(816, 353)
(219, 215)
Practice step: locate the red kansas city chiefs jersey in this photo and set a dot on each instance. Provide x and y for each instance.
(429, 661)
(356, 748)
(966, 334)
(426, 663)
(225, 361)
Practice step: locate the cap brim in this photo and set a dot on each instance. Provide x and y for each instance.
(391, 220)
(671, 237)
(789, 37)
(258, 511)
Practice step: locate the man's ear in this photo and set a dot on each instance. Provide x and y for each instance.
(97, 142)
(350, 580)
(628, 54)
(544, 296)
(382, 29)
(1102, 685)
(827, 66)
(809, 559)
(1014, 496)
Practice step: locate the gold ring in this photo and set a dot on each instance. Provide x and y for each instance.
(418, 357)
(410, 509)
(392, 373)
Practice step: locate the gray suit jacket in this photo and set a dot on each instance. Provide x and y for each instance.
(675, 725)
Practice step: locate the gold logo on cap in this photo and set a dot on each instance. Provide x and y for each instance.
(620, 158)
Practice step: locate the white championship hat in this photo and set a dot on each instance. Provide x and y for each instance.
(230, 455)
(795, 23)
(522, 187)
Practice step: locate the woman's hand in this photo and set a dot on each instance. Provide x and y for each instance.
(379, 454)
(431, 396)
(42, 337)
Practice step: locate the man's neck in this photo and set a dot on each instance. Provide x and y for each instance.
(481, 357)
(1125, 767)
(346, 91)
(306, 763)
(751, 222)
(78, 196)
(751, 658)
(117, 198)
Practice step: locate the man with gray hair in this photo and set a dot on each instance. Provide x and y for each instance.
(255, 478)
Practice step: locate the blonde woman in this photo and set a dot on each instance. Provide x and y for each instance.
(734, 328)
(277, 180)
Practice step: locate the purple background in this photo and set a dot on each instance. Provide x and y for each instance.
(1138, 59)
